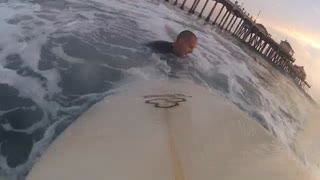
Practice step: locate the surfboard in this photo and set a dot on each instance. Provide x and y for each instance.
(166, 130)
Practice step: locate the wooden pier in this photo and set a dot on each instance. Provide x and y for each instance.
(233, 18)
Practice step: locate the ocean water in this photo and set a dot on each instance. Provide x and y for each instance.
(58, 58)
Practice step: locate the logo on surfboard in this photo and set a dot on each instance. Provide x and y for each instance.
(166, 100)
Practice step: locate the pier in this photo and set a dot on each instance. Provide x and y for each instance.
(232, 18)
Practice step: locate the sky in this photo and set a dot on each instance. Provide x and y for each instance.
(297, 21)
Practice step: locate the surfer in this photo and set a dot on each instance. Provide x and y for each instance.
(181, 47)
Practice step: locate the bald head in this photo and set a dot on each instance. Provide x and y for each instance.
(185, 43)
(187, 35)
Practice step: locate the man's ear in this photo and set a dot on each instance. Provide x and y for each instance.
(178, 41)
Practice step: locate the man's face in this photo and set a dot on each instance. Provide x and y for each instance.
(186, 46)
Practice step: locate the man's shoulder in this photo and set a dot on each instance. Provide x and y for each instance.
(161, 46)
(160, 43)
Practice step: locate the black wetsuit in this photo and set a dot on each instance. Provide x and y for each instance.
(161, 47)
(165, 49)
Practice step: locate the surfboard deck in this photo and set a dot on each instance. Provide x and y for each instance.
(168, 130)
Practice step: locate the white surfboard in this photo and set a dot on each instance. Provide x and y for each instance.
(166, 130)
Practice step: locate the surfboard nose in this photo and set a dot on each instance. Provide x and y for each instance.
(171, 130)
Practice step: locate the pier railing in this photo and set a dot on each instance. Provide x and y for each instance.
(233, 18)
